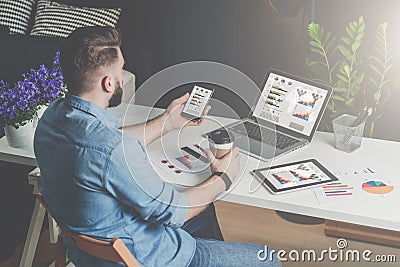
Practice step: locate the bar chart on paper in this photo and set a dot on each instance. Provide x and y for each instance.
(337, 189)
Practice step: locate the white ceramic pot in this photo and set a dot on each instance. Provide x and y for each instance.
(21, 137)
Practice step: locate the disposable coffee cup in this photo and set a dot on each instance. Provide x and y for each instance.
(221, 143)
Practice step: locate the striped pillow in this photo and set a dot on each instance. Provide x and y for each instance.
(15, 14)
(59, 20)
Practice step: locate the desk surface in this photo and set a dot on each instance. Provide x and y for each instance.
(383, 155)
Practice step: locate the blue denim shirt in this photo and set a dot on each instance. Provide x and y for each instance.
(98, 181)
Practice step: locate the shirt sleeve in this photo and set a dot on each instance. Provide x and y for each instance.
(130, 178)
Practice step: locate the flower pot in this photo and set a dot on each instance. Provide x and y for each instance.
(21, 137)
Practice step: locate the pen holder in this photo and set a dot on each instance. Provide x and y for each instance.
(347, 137)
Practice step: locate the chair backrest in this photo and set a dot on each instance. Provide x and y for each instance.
(114, 251)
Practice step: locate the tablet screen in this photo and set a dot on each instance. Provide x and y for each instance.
(302, 174)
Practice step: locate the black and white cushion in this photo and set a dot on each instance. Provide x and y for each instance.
(15, 14)
(55, 19)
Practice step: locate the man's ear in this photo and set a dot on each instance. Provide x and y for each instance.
(106, 84)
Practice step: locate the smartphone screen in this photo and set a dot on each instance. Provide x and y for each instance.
(197, 102)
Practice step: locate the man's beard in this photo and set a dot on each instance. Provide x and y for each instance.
(116, 98)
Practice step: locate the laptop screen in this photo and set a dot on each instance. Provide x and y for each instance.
(291, 103)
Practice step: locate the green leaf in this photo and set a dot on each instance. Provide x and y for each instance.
(355, 46)
(389, 67)
(340, 89)
(352, 26)
(334, 67)
(376, 70)
(343, 78)
(326, 38)
(315, 44)
(346, 40)
(313, 30)
(390, 50)
(360, 36)
(384, 83)
(330, 44)
(362, 28)
(321, 33)
(347, 69)
(377, 60)
(350, 32)
(377, 96)
(390, 58)
(344, 51)
(338, 97)
(374, 82)
(313, 63)
(318, 51)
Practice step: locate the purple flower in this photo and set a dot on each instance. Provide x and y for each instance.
(19, 103)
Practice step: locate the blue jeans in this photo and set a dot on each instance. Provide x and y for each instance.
(211, 250)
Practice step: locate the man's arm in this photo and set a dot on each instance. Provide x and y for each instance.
(202, 195)
(171, 119)
(149, 131)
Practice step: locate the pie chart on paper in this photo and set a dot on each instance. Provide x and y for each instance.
(377, 187)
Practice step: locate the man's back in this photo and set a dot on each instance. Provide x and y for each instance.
(95, 187)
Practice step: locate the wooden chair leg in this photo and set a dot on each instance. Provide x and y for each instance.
(61, 253)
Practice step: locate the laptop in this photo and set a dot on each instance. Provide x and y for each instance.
(284, 118)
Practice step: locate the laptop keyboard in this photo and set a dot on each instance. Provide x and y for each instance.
(264, 135)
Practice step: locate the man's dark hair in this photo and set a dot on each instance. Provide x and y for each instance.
(86, 50)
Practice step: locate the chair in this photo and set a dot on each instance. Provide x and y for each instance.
(114, 251)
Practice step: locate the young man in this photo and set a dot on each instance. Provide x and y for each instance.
(98, 181)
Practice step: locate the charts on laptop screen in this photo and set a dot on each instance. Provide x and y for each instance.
(290, 103)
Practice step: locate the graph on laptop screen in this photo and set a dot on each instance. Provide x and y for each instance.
(289, 103)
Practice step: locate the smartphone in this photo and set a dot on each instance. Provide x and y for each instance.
(197, 102)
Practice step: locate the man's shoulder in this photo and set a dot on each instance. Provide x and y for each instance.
(78, 127)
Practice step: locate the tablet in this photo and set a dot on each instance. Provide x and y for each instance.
(294, 176)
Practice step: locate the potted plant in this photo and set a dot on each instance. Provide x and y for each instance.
(357, 81)
(20, 103)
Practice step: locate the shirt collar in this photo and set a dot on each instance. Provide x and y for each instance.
(105, 116)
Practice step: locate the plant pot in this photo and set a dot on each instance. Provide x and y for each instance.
(21, 137)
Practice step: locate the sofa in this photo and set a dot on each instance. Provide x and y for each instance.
(20, 52)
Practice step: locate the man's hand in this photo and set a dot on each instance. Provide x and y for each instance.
(229, 164)
(200, 196)
(172, 116)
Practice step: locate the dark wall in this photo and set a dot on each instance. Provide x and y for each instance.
(252, 37)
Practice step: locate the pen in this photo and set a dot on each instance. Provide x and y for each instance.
(362, 117)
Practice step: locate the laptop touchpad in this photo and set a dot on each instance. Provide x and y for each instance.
(255, 147)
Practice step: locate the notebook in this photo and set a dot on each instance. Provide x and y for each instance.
(284, 118)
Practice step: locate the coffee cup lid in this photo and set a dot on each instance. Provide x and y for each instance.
(220, 137)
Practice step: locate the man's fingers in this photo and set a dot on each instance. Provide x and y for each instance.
(182, 99)
(209, 154)
(206, 110)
